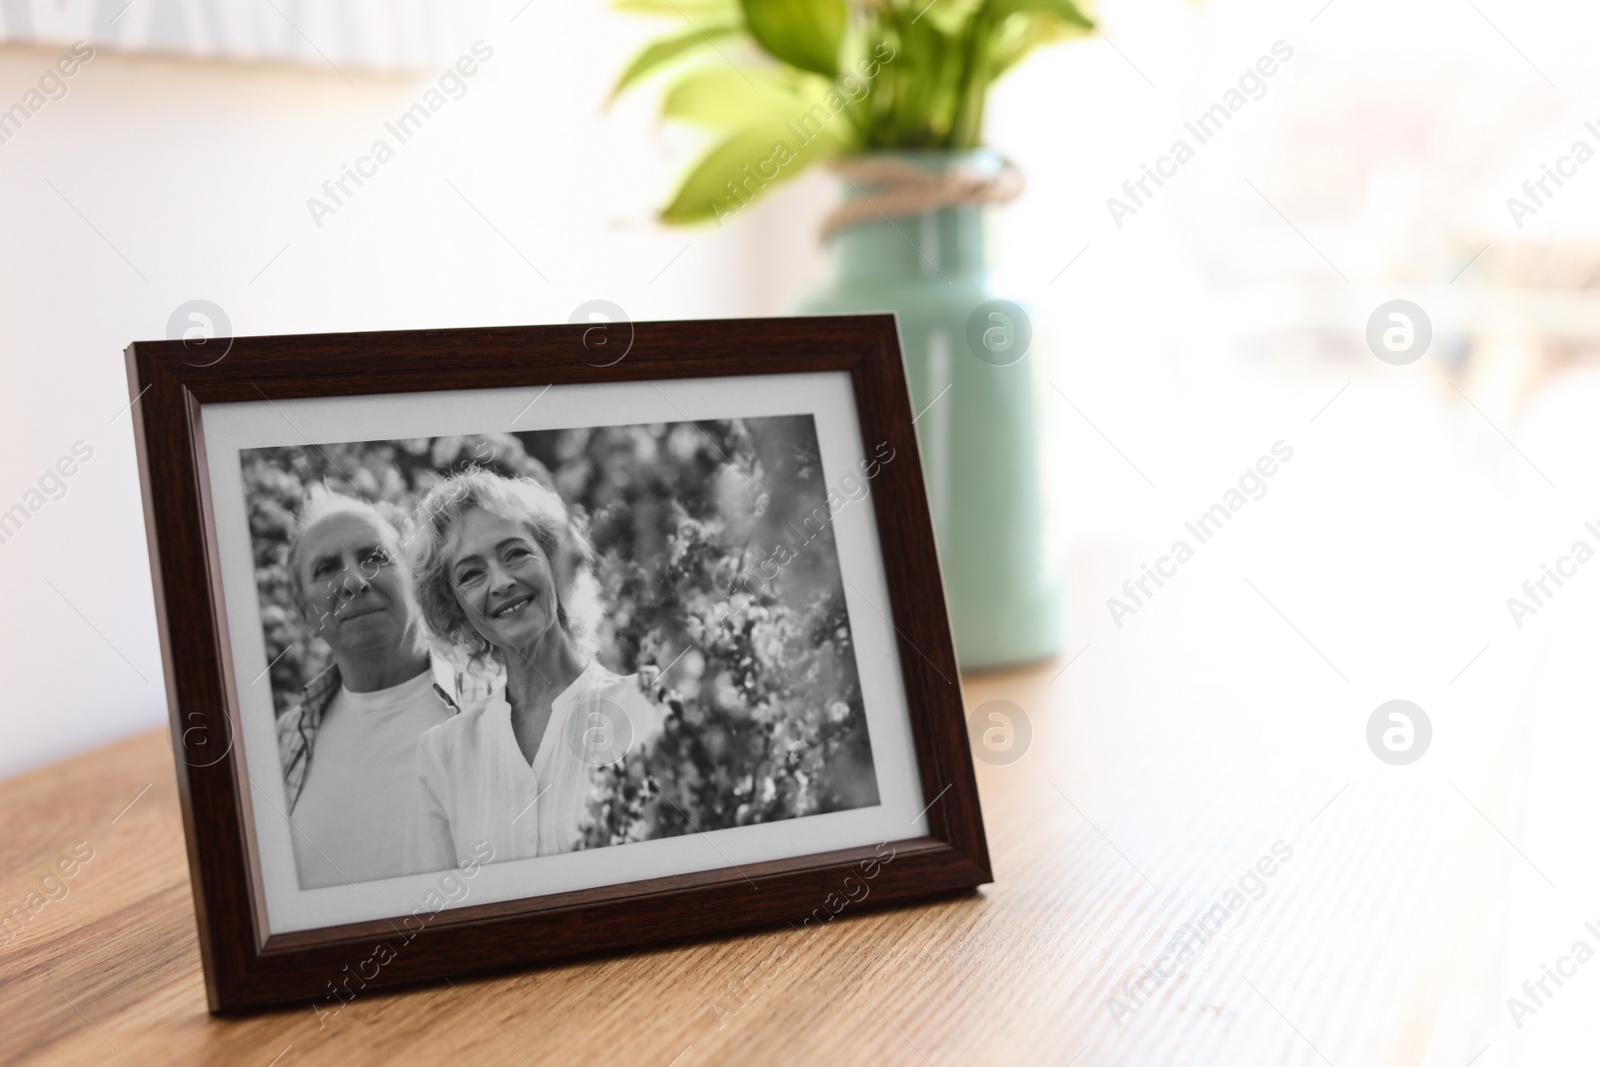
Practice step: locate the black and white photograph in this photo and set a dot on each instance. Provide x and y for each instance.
(558, 638)
(515, 645)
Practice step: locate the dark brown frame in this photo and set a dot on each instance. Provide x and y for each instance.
(244, 968)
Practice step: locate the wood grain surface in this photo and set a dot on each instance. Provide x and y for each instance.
(1364, 947)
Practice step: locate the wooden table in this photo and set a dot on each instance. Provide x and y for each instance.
(1360, 948)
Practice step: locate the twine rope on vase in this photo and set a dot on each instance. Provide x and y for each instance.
(898, 189)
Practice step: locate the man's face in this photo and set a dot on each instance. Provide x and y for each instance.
(356, 585)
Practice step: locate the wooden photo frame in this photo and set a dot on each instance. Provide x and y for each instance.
(812, 717)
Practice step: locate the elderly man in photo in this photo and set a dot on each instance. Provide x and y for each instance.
(348, 749)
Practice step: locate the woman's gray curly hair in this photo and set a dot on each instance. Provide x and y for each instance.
(542, 513)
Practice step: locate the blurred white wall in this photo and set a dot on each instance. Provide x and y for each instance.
(157, 181)
(1191, 335)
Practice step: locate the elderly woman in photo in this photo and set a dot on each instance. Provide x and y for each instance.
(505, 579)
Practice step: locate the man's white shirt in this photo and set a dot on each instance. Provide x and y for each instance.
(349, 822)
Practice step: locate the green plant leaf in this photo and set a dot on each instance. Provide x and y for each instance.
(950, 16)
(720, 97)
(1020, 36)
(661, 52)
(802, 33)
(713, 10)
(704, 193)
(1065, 10)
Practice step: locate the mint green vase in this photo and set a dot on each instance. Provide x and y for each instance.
(972, 364)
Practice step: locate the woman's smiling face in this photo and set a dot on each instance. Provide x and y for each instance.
(502, 580)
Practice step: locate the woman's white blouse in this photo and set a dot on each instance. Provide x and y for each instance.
(474, 786)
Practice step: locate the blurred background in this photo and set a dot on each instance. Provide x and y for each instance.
(1178, 343)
